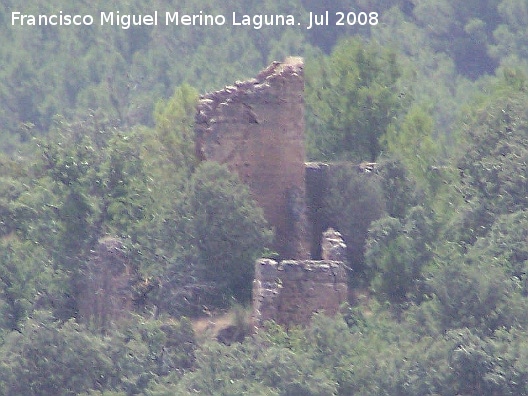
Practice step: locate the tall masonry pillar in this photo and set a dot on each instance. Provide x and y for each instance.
(256, 128)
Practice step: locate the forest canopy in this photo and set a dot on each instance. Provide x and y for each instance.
(97, 144)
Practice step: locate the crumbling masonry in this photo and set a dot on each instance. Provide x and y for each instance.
(291, 291)
(256, 128)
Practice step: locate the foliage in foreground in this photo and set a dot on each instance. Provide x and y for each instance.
(355, 354)
(51, 358)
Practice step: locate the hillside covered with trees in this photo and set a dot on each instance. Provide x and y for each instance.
(96, 138)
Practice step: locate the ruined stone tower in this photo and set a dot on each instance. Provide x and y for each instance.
(256, 128)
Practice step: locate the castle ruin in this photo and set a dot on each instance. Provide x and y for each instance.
(256, 128)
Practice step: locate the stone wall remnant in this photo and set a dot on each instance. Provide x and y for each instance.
(256, 128)
(291, 291)
(333, 247)
(106, 292)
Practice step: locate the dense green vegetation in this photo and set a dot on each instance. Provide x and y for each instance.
(96, 131)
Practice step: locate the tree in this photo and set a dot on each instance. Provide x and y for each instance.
(399, 186)
(509, 46)
(25, 277)
(462, 30)
(351, 101)
(174, 123)
(227, 229)
(493, 160)
(505, 245)
(481, 297)
(326, 37)
(413, 143)
(49, 359)
(395, 254)
(90, 183)
(258, 367)
(421, 150)
(352, 202)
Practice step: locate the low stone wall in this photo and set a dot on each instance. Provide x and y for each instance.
(291, 291)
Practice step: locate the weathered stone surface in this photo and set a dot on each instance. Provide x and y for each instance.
(256, 128)
(300, 288)
(332, 246)
(106, 293)
(266, 269)
(266, 290)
